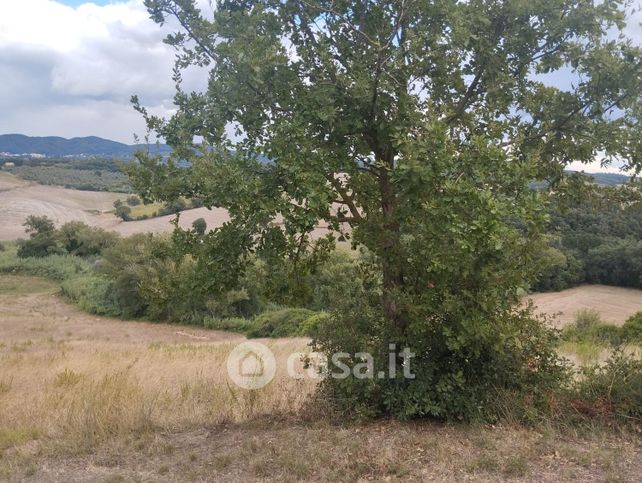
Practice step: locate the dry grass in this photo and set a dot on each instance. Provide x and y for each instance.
(614, 304)
(95, 399)
(19, 199)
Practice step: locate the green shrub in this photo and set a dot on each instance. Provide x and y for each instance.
(588, 327)
(334, 280)
(38, 246)
(232, 324)
(610, 391)
(283, 323)
(56, 267)
(123, 212)
(462, 367)
(199, 226)
(78, 238)
(133, 200)
(585, 319)
(42, 241)
(92, 293)
(632, 329)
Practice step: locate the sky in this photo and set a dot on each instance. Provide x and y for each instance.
(69, 67)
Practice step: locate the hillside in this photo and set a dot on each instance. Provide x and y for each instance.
(19, 144)
(140, 401)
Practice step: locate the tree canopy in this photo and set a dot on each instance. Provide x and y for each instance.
(411, 127)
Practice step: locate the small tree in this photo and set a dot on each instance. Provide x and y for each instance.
(199, 226)
(42, 240)
(39, 225)
(123, 212)
(78, 238)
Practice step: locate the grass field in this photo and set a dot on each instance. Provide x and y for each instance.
(614, 304)
(145, 210)
(84, 398)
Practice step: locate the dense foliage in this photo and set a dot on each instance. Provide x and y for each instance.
(150, 276)
(594, 241)
(419, 126)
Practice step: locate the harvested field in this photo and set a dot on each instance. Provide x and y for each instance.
(19, 199)
(615, 304)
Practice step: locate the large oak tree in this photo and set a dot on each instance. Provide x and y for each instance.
(413, 125)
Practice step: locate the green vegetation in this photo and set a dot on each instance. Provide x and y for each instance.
(199, 226)
(588, 327)
(414, 131)
(152, 277)
(595, 241)
(122, 211)
(133, 210)
(91, 174)
(611, 391)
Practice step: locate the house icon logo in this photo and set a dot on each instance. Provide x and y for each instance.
(251, 365)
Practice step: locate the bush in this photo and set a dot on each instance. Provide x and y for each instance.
(199, 226)
(123, 212)
(462, 367)
(78, 238)
(133, 200)
(283, 323)
(334, 280)
(56, 267)
(38, 246)
(92, 293)
(42, 241)
(173, 207)
(632, 329)
(233, 324)
(586, 319)
(588, 327)
(125, 264)
(610, 391)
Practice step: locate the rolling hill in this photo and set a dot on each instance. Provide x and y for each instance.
(51, 146)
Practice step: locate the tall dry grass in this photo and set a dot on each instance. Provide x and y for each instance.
(80, 396)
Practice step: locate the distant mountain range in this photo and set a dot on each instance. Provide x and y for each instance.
(51, 146)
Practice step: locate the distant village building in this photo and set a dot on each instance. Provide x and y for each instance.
(9, 165)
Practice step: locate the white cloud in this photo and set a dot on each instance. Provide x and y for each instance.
(595, 167)
(71, 71)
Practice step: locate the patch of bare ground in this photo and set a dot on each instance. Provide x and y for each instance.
(614, 304)
(85, 398)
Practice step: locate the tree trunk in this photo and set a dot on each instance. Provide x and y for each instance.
(391, 254)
